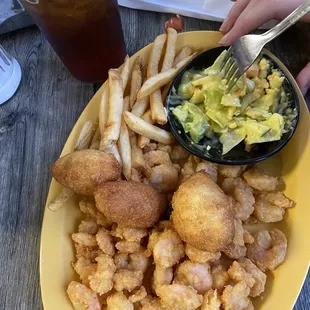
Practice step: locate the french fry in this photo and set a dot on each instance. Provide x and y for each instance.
(125, 150)
(150, 131)
(137, 158)
(114, 151)
(104, 109)
(113, 124)
(125, 72)
(157, 81)
(126, 106)
(61, 199)
(86, 135)
(141, 106)
(185, 52)
(143, 141)
(136, 81)
(157, 49)
(159, 114)
(165, 91)
(94, 145)
(170, 49)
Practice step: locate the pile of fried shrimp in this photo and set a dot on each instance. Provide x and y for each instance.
(130, 253)
(130, 268)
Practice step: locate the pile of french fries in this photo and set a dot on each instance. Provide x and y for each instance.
(130, 117)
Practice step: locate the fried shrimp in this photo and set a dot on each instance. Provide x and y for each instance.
(130, 234)
(228, 171)
(127, 247)
(125, 279)
(220, 277)
(121, 261)
(84, 268)
(161, 276)
(270, 207)
(236, 297)
(138, 295)
(259, 277)
(243, 199)
(119, 301)
(196, 275)
(268, 249)
(168, 250)
(200, 256)
(208, 168)
(211, 301)
(86, 170)
(84, 239)
(105, 242)
(101, 280)
(138, 261)
(237, 248)
(160, 171)
(89, 226)
(238, 274)
(82, 298)
(260, 181)
(179, 297)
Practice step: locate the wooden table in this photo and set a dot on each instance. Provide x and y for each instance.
(35, 124)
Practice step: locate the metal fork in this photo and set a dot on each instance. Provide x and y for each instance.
(245, 50)
(5, 60)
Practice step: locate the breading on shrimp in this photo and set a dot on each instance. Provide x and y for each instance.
(88, 226)
(179, 297)
(193, 274)
(168, 250)
(153, 239)
(118, 301)
(242, 194)
(236, 297)
(189, 168)
(82, 298)
(125, 279)
(105, 242)
(84, 239)
(121, 261)
(160, 171)
(138, 260)
(138, 295)
(200, 256)
(103, 221)
(228, 171)
(238, 274)
(161, 276)
(87, 252)
(130, 234)
(259, 277)
(237, 248)
(270, 207)
(101, 281)
(211, 301)
(88, 207)
(260, 181)
(220, 277)
(151, 304)
(268, 250)
(127, 247)
(208, 168)
(84, 268)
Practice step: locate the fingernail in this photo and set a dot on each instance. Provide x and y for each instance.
(223, 41)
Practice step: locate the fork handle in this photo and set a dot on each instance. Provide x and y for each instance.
(289, 21)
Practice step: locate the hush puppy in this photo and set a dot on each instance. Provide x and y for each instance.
(130, 204)
(84, 171)
(202, 214)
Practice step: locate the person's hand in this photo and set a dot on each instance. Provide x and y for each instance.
(247, 15)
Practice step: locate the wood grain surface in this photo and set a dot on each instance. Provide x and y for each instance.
(34, 126)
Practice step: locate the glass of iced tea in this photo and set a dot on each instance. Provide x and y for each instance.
(86, 34)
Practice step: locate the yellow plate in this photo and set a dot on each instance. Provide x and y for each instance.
(293, 164)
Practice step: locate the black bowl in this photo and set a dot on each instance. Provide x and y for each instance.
(238, 155)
